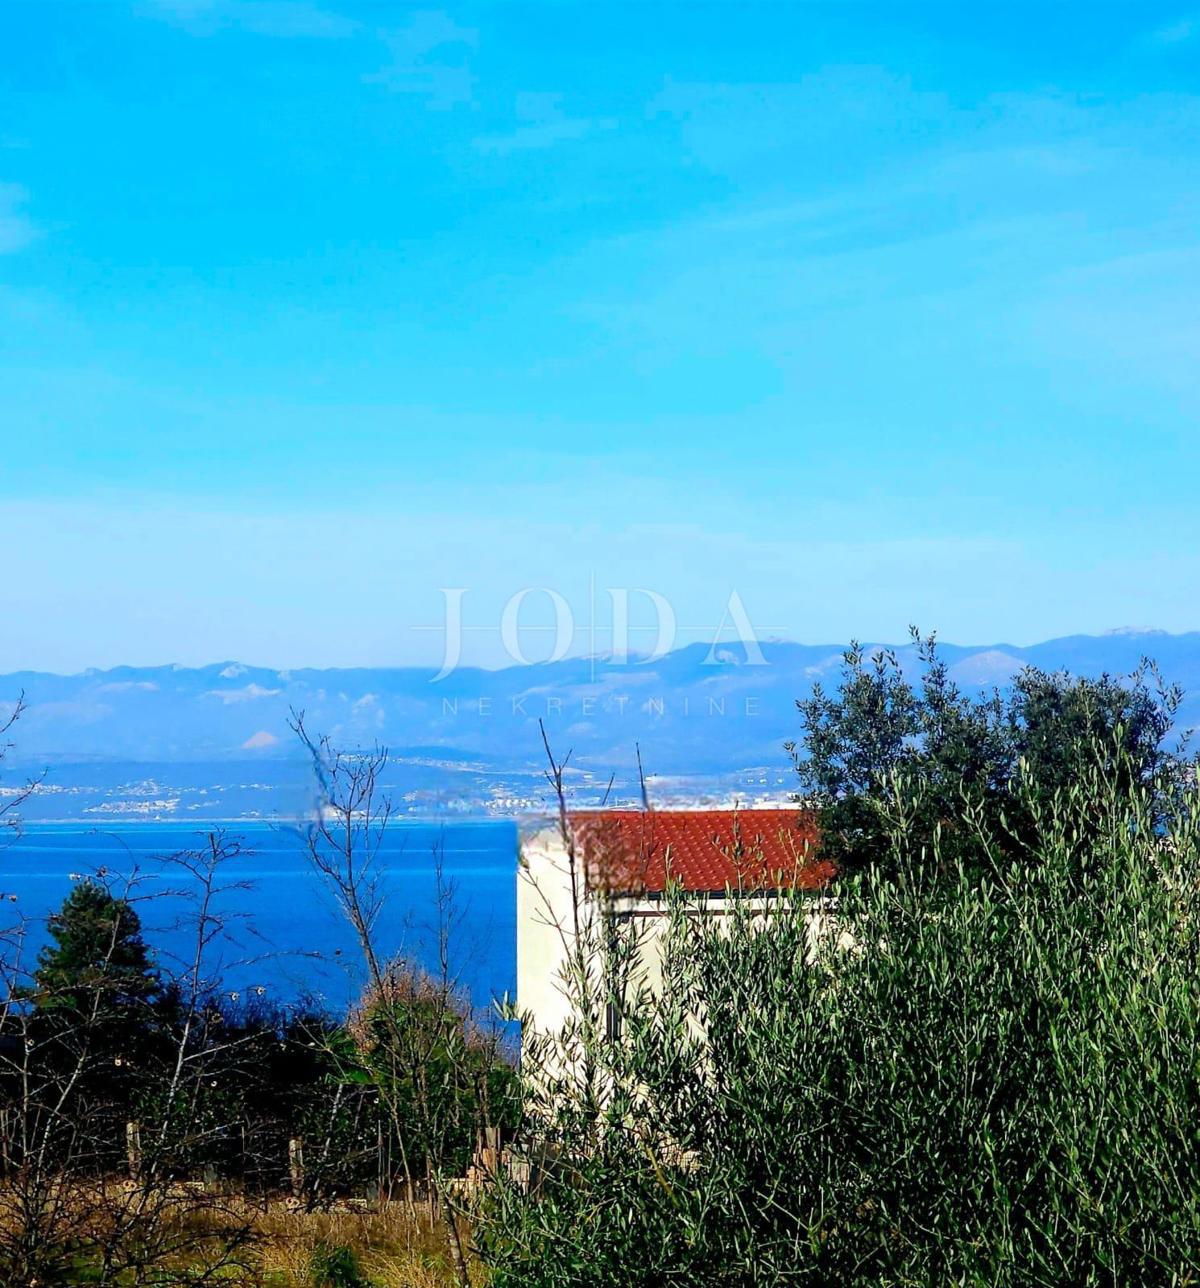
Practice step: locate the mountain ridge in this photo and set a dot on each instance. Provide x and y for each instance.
(696, 710)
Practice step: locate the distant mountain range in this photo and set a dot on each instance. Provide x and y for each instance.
(691, 713)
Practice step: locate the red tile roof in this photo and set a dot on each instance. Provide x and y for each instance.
(635, 851)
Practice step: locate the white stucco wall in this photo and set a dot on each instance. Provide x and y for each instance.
(545, 927)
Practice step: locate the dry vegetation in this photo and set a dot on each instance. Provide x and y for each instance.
(282, 1245)
(397, 1247)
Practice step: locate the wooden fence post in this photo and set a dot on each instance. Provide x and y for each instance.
(133, 1149)
(491, 1150)
(296, 1165)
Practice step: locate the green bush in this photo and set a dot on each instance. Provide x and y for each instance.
(998, 754)
(991, 1080)
(336, 1266)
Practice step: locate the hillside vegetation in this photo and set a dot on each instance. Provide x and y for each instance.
(987, 1074)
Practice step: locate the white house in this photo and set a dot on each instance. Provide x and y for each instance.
(629, 857)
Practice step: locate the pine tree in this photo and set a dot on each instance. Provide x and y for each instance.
(97, 960)
(92, 1034)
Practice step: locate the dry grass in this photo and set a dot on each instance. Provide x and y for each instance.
(395, 1247)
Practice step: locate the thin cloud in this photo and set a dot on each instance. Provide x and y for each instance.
(250, 693)
(1176, 33)
(429, 59)
(284, 19)
(17, 230)
(543, 124)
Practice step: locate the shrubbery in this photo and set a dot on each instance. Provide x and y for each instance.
(134, 1106)
(975, 1059)
(987, 1071)
(996, 755)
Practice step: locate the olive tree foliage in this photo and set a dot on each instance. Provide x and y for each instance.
(961, 753)
(987, 1080)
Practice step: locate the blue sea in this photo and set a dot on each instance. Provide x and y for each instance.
(286, 936)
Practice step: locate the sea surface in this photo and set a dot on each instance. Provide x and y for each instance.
(285, 938)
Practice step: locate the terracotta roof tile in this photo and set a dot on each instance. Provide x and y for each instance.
(635, 851)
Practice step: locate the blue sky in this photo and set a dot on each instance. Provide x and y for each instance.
(873, 314)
